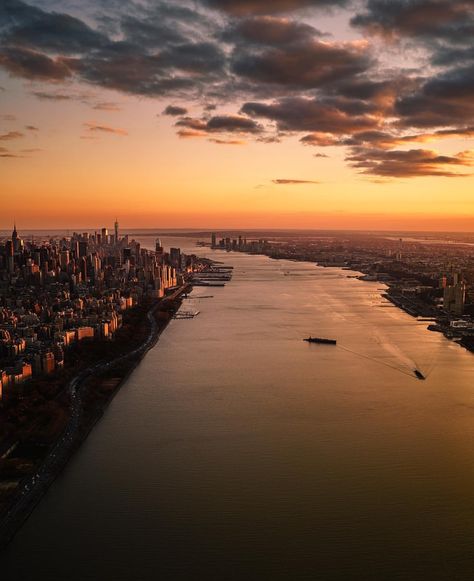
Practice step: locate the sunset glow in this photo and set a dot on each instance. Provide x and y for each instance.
(296, 114)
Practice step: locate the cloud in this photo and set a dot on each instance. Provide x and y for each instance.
(11, 135)
(98, 128)
(320, 139)
(106, 106)
(245, 7)
(226, 141)
(286, 182)
(233, 124)
(267, 65)
(48, 96)
(29, 64)
(31, 128)
(160, 50)
(442, 101)
(85, 98)
(306, 66)
(411, 163)
(320, 155)
(175, 111)
(385, 140)
(219, 124)
(305, 114)
(7, 117)
(190, 133)
(270, 31)
(446, 20)
(32, 27)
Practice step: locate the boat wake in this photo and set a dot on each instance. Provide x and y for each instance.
(409, 372)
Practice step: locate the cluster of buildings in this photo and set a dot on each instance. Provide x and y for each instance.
(56, 292)
(239, 244)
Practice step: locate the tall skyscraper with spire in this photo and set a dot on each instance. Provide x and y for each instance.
(116, 226)
(16, 242)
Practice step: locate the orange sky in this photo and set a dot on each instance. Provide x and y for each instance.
(101, 152)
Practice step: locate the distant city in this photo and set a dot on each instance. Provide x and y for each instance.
(429, 278)
(67, 290)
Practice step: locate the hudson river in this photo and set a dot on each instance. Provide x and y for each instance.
(237, 451)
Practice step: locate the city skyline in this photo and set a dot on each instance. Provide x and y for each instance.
(206, 114)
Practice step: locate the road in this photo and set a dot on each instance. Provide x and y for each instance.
(33, 487)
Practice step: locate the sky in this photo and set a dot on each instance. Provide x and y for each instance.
(352, 114)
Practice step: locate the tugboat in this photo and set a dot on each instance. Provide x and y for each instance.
(418, 374)
(320, 340)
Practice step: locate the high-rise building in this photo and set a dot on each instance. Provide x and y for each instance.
(64, 258)
(175, 257)
(116, 226)
(454, 298)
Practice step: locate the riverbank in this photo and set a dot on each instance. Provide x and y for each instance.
(90, 392)
(412, 305)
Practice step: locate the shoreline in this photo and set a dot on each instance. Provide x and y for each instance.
(80, 424)
(409, 307)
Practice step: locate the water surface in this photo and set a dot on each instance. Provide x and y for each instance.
(237, 451)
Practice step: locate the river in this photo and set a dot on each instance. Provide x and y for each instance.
(237, 451)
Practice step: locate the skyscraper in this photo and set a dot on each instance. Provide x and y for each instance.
(116, 226)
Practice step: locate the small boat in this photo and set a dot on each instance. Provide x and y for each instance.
(320, 340)
(418, 374)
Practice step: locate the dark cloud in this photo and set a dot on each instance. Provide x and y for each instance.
(22, 62)
(192, 123)
(270, 31)
(233, 124)
(181, 68)
(220, 124)
(306, 66)
(175, 111)
(193, 57)
(31, 128)
(159, 52)
(268, 55)
(386, 140)
(442, 101)
(411, 163)
(286, 182)
(245, 7)
(304, 114)
(363, 94)
(32, 27)
(439, 20)
(150, 34)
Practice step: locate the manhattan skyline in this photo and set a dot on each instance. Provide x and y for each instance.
(207, 114)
